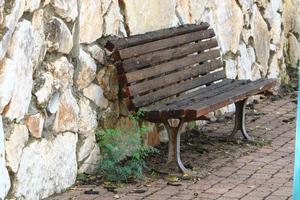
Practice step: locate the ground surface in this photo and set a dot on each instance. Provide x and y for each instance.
(228, 169)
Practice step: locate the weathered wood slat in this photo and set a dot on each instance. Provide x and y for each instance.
(171, 65)
(221, 100)
(211, 102)
(209, 93)
(167, 54)
(177, 108)
(185, 96)
(177, 88)
(174, 77)
(163, 44)
(121, 43)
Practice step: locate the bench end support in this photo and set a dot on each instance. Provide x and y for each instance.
(174, 144)
(239, 125)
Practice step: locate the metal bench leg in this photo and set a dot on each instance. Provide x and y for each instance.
(240, 119)
(174, 144)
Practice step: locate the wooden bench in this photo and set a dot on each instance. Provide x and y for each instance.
(177, 73)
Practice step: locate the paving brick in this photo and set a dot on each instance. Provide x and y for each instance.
(276, 197)
(239, 191)
(220, 188)
(282, 191)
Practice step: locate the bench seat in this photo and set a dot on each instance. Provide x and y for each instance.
(195, 104)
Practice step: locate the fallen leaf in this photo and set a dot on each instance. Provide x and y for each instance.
(174, 184)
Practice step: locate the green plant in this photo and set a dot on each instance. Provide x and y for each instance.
(122, 152)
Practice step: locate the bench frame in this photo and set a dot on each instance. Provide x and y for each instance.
(127, 50)
(174, 132)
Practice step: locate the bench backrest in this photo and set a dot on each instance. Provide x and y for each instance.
(165, 63)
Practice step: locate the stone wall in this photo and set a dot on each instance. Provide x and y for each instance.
(56, 87)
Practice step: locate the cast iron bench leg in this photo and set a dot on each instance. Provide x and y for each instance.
(240, 119)
(174, 144)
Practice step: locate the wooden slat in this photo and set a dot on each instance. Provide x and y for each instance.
(198, 95)
(121, 43)
(177, 88)
(171, 65)
(163, 44)
(168, 54)
(185, 96)
(212, 101)
(177, 108)
(232, 96)
(174, 77)
(208, 95)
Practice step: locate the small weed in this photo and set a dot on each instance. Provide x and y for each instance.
(81, 177)
(122, 152)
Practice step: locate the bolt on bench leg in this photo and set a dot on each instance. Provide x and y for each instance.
(174, 144)
(240, 119)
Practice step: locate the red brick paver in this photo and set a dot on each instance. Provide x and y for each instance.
(263, 174)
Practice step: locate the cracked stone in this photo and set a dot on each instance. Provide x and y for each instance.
(14, 145)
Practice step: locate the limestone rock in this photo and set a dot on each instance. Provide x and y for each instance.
(144, 16)
(87, 118)
(40, 46)
(261, 3)
(261, 37)
(291, 16)
(86, 70)
(274, 19)
(90, 164)
(35, 125)
(110, 116)
(10, 21)
(86, 147)
(247, 8)
(51, 165)
(274, 70)
(66, 9)
(91, 21)
(54, 103)
(32, 5)
(45, 2)
(183, 11)
(244, 62)
(5, 180)
(229, 23)
(67, 114)
(256, 71)
(247, 5)
(294, 50)
(1, 11)
(8, 69)
(58, 36)
(230, 68)
(63, 72)
(20, 51)
(14, 146)
(107, 78)
(198, 9)
(95, 93)
(96, 52)
(44, 93)
(113, 20)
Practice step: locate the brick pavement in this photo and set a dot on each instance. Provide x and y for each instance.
(263, 174)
